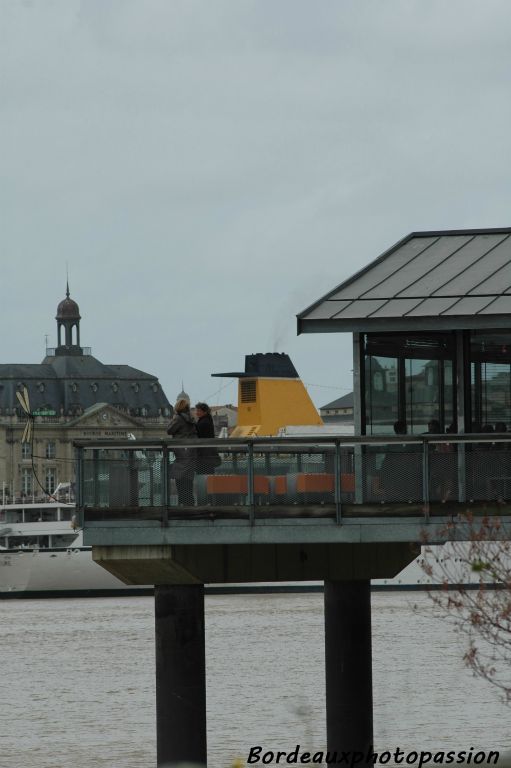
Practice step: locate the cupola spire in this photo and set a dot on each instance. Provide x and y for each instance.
(68, 326)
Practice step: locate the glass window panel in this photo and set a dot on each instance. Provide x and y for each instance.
(63, 540)
(416, 385)
(490, 378)
(422, 394)
(450, 420)
(491, 395)
(381, 395)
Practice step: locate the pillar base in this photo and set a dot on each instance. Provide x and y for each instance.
(348, 667)
(180, 674)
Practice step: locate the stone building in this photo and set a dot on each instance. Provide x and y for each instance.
(339, 411)
(72, 396)
(225, 417)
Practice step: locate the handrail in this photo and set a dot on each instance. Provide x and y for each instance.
(219, 442)
(329, 475)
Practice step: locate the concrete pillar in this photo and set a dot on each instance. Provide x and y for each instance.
(348, 666)
(180, 674)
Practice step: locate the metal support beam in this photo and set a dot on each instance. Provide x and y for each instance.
(348, 667)
(462, 405)
(337, 482)
(359, 408)
(250, 482)
(165, 485)
(180, 674)
(425, 479)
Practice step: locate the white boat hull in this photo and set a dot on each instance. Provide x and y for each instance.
(69, 570)
(72, 571)
(35, 562)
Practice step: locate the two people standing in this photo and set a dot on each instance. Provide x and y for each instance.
(190, 461)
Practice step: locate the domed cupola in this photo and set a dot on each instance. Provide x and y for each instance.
(183, 395)
(68, 324)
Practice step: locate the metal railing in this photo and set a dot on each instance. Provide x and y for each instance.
(257, 478)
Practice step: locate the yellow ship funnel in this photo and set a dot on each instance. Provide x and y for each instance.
(271, 395)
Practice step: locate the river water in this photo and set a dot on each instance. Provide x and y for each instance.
(78, 680)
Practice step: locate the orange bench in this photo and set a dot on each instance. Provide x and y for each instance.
(312, 482)
(321, 482)
(280, 485)
(236, 484)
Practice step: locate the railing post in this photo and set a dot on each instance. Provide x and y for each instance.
(337, 482)
(133, 500)
(165, 486)
(462, 472)
(358, 466)
(250, 481)
(425, 478)
(79, 483)
(95, 478)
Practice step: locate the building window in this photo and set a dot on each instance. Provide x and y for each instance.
(26, 450)
(51, 449)
(26, 481)
(50, 480)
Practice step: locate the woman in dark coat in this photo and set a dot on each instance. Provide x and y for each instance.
(208, 458)
(182, 426)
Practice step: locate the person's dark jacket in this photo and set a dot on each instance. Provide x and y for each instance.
(183, 427)
(208, 458)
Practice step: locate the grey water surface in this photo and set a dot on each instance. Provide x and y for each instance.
(78, 680)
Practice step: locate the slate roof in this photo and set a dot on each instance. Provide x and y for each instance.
(77, 382)
(346, 401)
(429, 280)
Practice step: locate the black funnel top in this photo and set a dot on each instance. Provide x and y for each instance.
(268, 365)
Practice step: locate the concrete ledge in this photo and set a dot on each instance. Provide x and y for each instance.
(225, 564)
(310, 531)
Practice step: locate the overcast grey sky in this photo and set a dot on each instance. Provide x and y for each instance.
(210, 168)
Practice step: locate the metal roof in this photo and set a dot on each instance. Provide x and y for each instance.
(346, 401)
(429, 280)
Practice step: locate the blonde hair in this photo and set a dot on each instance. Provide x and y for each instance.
(182, 405)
